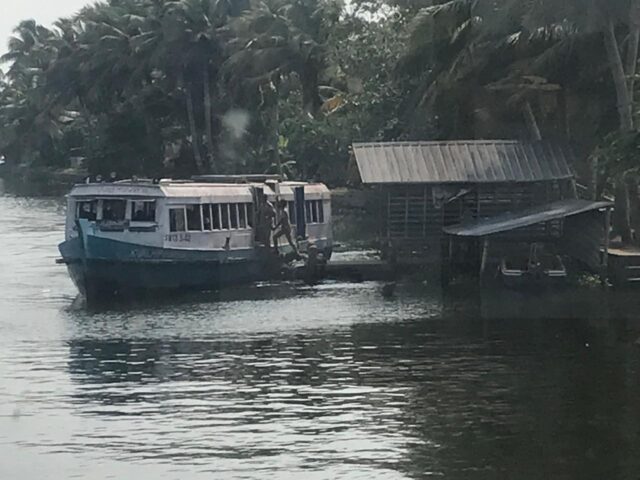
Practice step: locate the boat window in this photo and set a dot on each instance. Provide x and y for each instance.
(233, 215)
(308, 209)
(250, 215)
(207, 222)
(113, 210)
(225, 216)
(177, 220)
(87, 210)
(228, 216)
(194, 219)
(143, 211)
(242, 215)
(314, 211)
(215, 213)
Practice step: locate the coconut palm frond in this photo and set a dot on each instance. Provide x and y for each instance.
(456, 7)
(449, 17)
(467, 29)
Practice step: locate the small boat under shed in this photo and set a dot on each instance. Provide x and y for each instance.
(581, 234)
(463, 206)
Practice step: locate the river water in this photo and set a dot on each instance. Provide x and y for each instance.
(284, 381)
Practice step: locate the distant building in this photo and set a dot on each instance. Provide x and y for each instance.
(77, 163)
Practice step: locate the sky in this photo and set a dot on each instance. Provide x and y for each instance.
(43, 11)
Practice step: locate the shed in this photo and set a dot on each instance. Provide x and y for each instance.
(429, 186)
(584, 228)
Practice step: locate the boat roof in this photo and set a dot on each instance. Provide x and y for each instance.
(190, 189)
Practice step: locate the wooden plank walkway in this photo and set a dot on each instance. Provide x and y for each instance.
(359, 270)
(351, 270)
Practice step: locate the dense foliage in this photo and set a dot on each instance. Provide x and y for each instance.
(174, 87)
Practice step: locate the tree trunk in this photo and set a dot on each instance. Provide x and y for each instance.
(276, 150)
(154, 163)
(632, 68)
(195, 143)
(565, 103)
(625, 112)
(531, 121)
(619, 78)
(632, 50)
(622, 220)
(632, 61)
(208, 117)
(593, 167)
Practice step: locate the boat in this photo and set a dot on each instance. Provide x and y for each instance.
(540, 268)
(136, 235)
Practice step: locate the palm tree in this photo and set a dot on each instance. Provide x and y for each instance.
(196, 23)
(279, 38)
(28, 116)
(181, 40)
(30, 49)
(272, 43)
(456, 41)
(609, 19)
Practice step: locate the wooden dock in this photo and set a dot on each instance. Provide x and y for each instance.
(352, 270)
(359, 270)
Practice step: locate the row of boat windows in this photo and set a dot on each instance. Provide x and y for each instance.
(211, 217)
(208, 217)
(314, 212)
(231, 216)
(116, 210)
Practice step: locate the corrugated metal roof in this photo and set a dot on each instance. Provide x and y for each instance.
(461, 162)
(525, 218)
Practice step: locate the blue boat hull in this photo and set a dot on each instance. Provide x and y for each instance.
(100, 267)
(99, 279)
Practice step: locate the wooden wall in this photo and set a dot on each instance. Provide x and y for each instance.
(416, 214)
(414, 223)
(584, 235)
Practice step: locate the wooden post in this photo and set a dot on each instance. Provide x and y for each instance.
(605, 255)
(406, 216)
(425, 212)
(388, 215)
(531, 122)
(485, 254)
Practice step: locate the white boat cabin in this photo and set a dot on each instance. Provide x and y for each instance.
(191, 215)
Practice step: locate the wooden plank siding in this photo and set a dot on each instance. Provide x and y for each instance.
(416, 214)
(583, 238)
(414, 225)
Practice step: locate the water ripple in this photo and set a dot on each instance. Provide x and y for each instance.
(286, 381)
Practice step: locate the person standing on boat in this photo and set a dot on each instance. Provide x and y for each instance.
(283, 228)
(266, 219)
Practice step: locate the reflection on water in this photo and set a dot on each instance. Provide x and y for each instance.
(286, 381)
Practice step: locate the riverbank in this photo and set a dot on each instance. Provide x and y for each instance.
(40, 181)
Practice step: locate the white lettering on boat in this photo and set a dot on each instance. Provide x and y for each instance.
(178, 237)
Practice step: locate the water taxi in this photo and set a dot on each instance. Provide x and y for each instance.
(200, 234)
